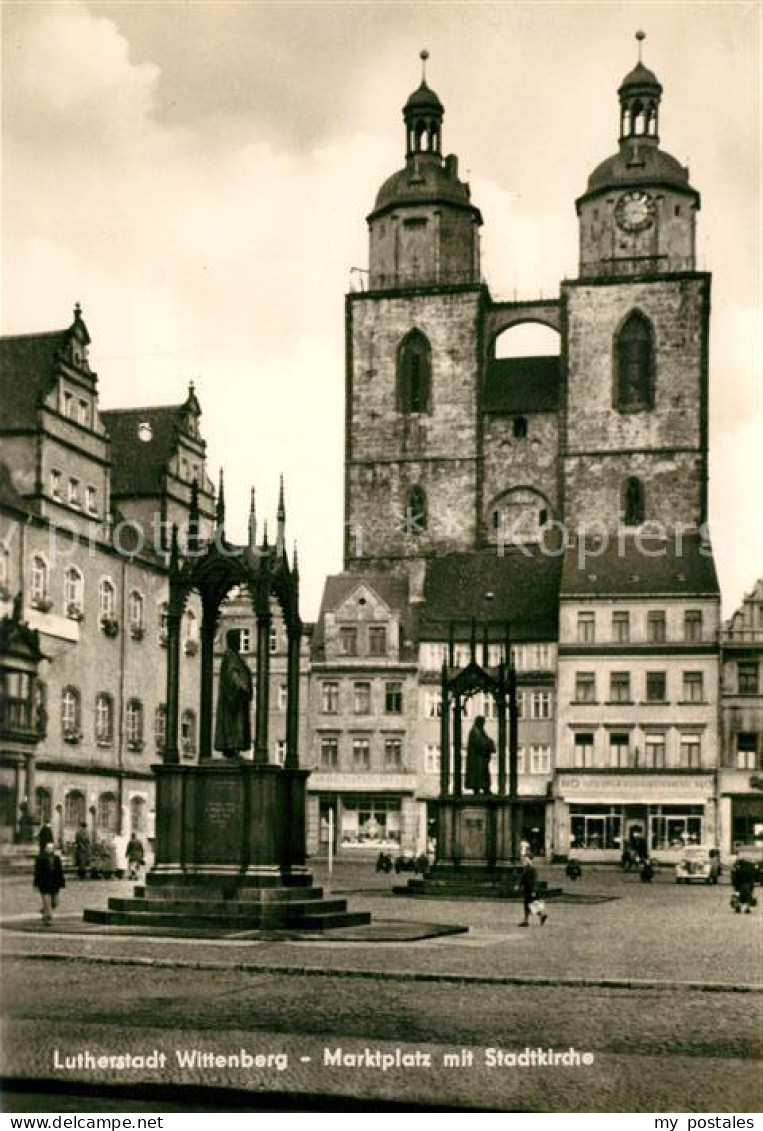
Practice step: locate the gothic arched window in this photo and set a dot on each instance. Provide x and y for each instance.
(417, 510)
(633, 502)
(634, 364)
(414, 373)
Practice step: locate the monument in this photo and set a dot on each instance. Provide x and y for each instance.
(230, 831)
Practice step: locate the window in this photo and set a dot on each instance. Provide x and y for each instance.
(43, 805)
(137, 814)
(675, 826)
(431, 758)
(348, 641)
(586, 628)
(74, 808)
(393, 697)
(329, 753)
(747, 751)
(583, 750)
(519, 427)
(520, 760)
(690, 751)
(90, 500)
(70, 712)
(540, 759)
(104, 719)
(74, 495)
(377, 641)
(634, 364)
(134, 724)
(654, 751)
(107, 599)
(416, 517)
(585, 687)
(656, 687)
(55, 483)
(282, 696)
(135, 611)
(164, 622)
(620, 687)
(693, 687)
(361, 754)
(73, 592)
(621, 627)
(245, 641)
(273, 638)
(160, 727)
(39, 579)
(68, 404)
(191, 633)
(633, 502)
(541, 656)
(188, 732)
(361, 698)
(747, 674)
(279, 751)
(520, 701)
(619, 750)
(330, 698)
(433, 704)
(393, 753)
(655, 627)
(540, 705)
(83, 413)
(593, 826)
(693, 625)
(414, 368)
(108, 813)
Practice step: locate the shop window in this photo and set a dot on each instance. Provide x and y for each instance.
(747, 751)
(594, 828)
(656, 687)
(690, 751)
(393, 697)
(348, 641)
(693, 625)
(746, 822)
(656, 627)
(619, 750)
(747, 677)
(393, 754)
(676, 826)
(586, 628)
(634, 364)
(583, 750)
(585, 687)
(621, 628)
(414, 373)
(693, 687)
(74, 808)
(108, 813)
(329, 697)
(370, 823)
(654, 751)
(620, 687)
(361, 698)
(329, 753)
(361, 754)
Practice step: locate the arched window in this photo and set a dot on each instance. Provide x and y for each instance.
(160, 727)
(107, 599)
(137, 814)
(134, 724)
(108, 813)
(633, 502)
(104, 719)
(74, 808)
(39, 579)
(70, 714)
(74, 592)
(43, 805)
(634, 364)
(414, 373)
(188, 732)
(416, 517)
(135, 611)
(518, 515)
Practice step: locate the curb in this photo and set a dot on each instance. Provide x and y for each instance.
(403, 976)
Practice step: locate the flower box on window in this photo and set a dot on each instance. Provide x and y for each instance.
(163, 639)
(42, 604)
(187, 746)
(110, 626)
(73, 737)
(135, 744)
(191, 647)
(137, 631)
(74, 612)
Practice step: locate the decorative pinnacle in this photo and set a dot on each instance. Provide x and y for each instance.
(265, 535)
(424, 55)
(220, 515)
(77, 311)
(640, 36)
(281, 506)
(252, 521)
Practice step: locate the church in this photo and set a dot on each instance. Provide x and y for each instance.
(560, 499)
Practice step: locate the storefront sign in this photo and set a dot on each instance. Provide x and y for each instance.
(643, 787)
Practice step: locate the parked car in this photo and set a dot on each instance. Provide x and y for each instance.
(699, 865)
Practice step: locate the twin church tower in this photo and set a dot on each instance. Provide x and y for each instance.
(452, 448)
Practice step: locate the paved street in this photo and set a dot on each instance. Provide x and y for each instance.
(662, 1048)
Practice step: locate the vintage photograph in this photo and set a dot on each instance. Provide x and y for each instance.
(381, 557)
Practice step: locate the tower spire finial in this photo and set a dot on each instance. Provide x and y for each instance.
(252, 521)
(640, 36)
(424, 55)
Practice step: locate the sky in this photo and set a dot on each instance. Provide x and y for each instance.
(197, 176)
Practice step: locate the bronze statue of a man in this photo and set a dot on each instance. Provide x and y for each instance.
(479, 750)
(233, 728)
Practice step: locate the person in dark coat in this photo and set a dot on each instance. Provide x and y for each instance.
(479, 750)
(528, 881)
(48, 879)
(233, 729)
(81, 850)
(135, 856)
(45, 836)
(743, 881)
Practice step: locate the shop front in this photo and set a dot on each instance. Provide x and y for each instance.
(596, 815)
(362, 824)
(741, 812)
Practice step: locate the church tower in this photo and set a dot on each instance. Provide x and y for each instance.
(413, 359)
(634, 422)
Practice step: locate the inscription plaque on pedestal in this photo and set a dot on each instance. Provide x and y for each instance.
(221, 820)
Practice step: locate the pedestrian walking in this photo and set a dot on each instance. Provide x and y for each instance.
(45, 836)
(81, 850)
(135, 857)
(743, 881)
(528, 882)
(48, 879)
